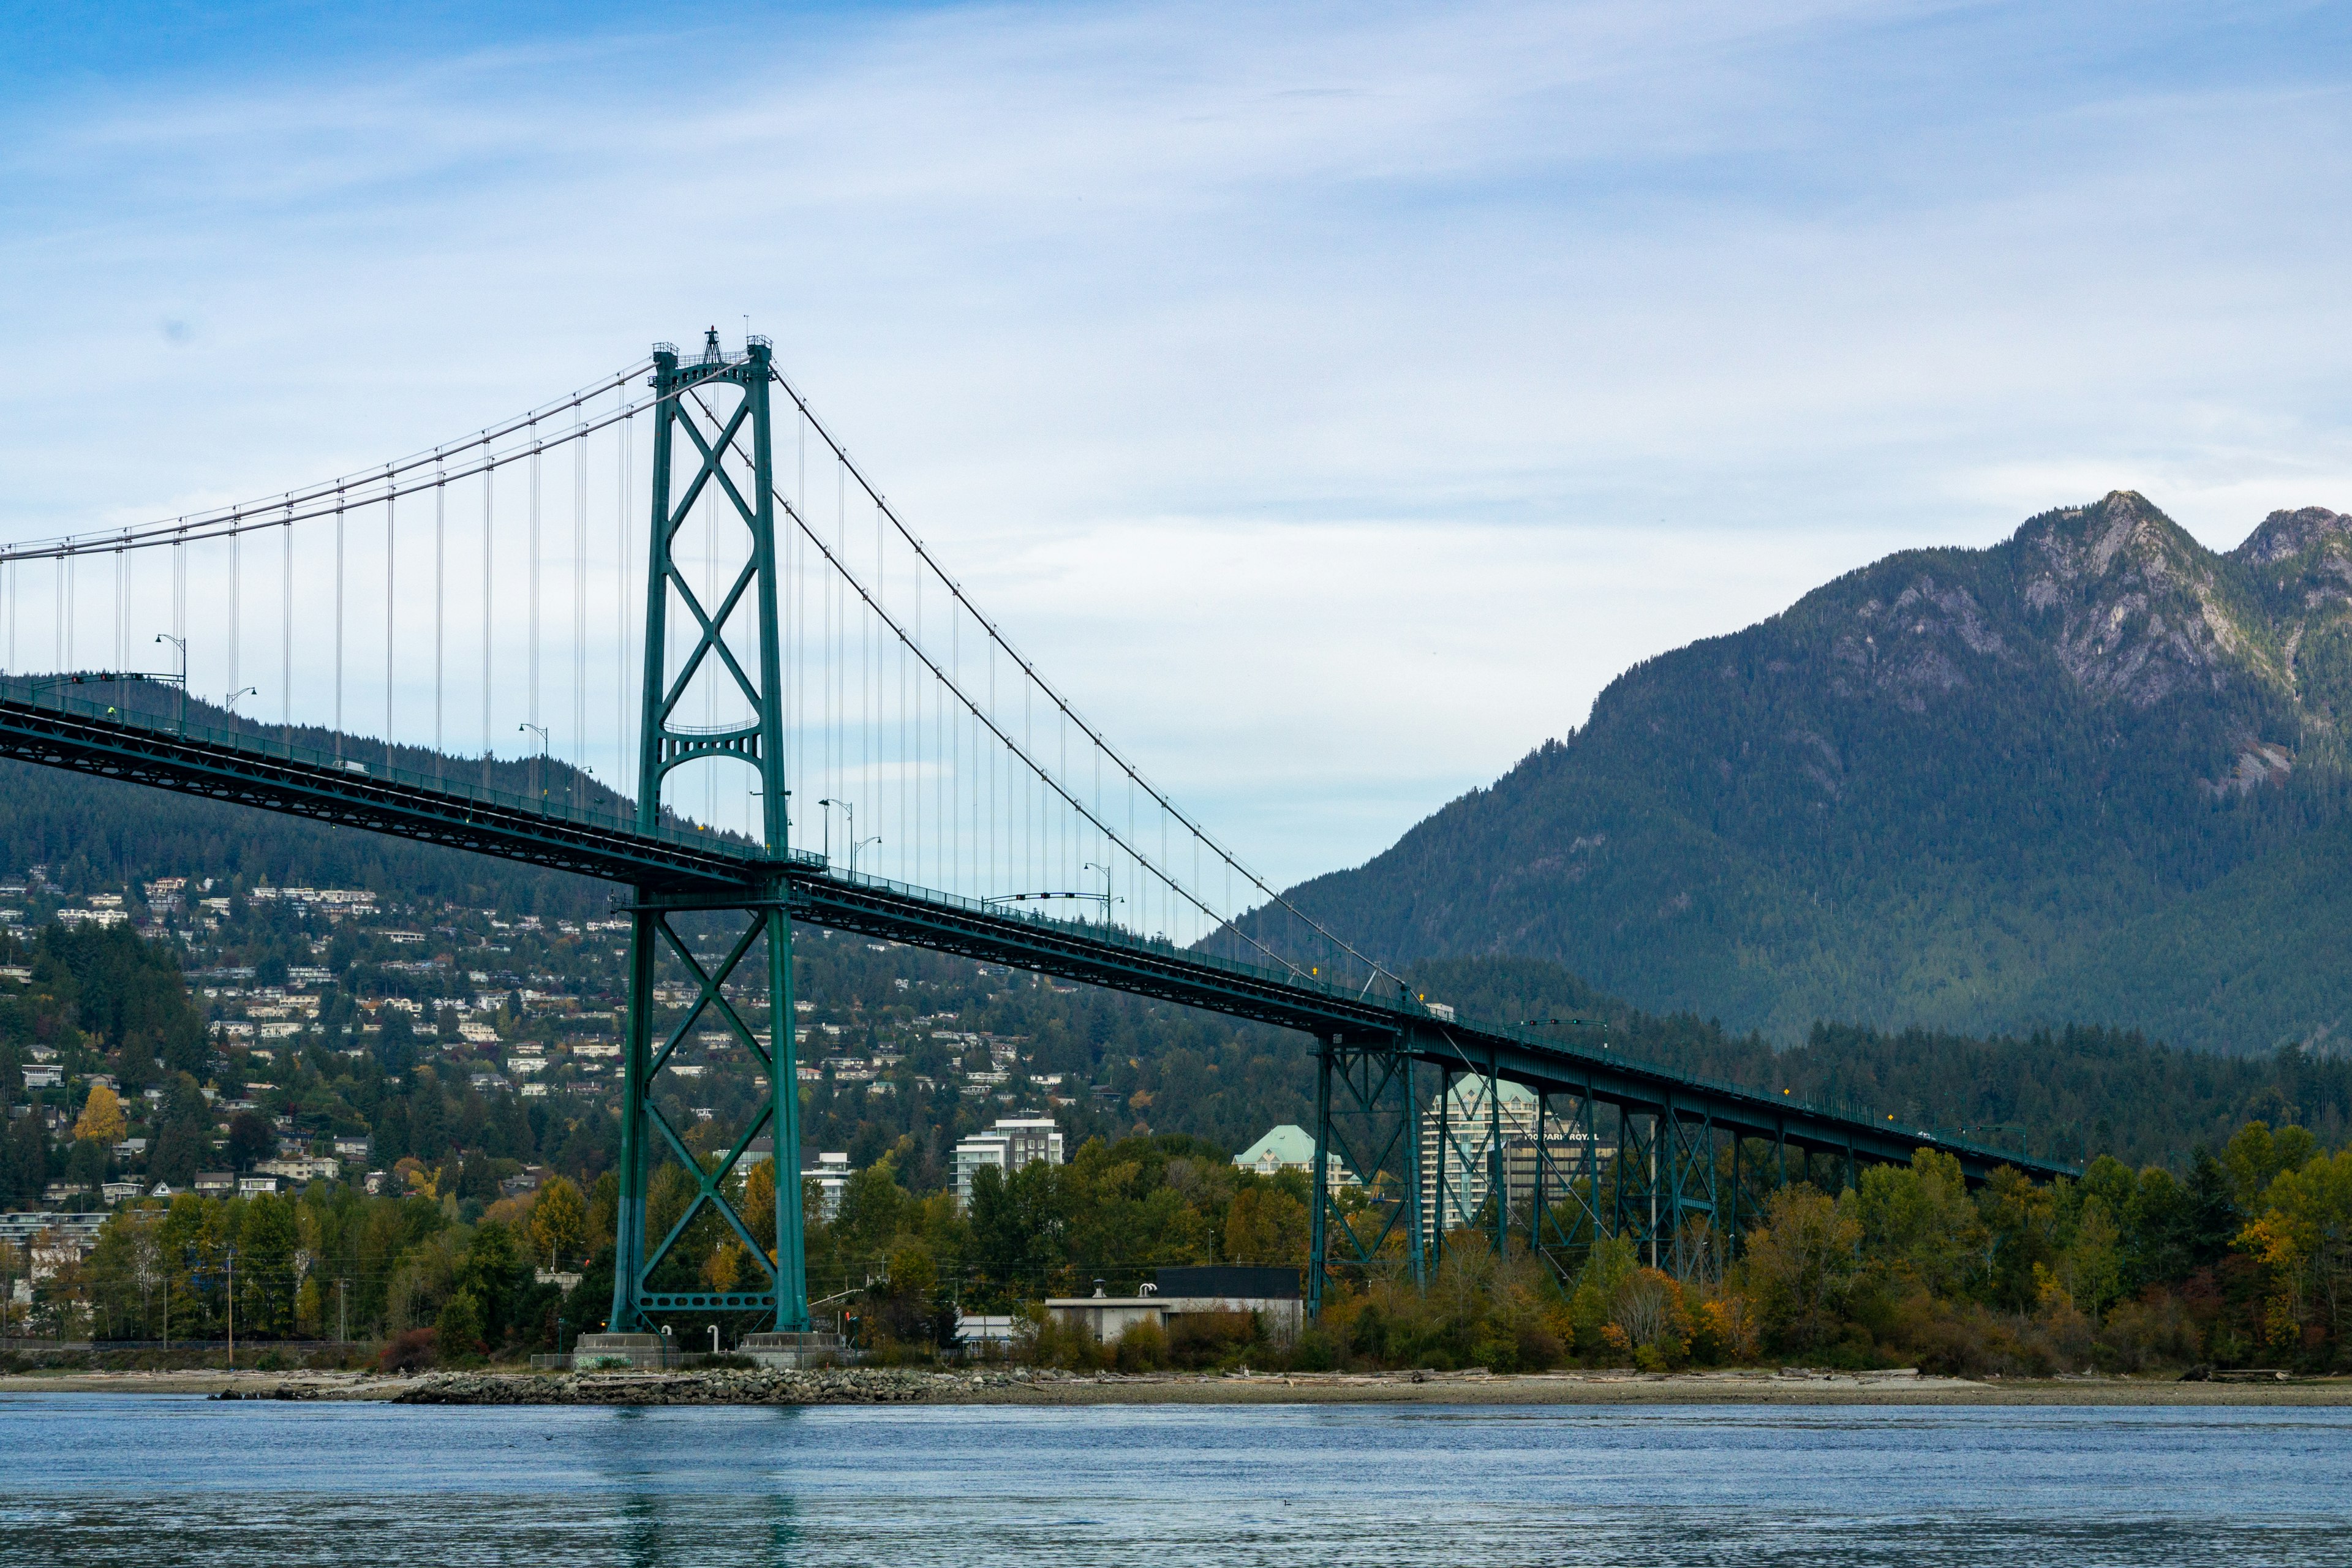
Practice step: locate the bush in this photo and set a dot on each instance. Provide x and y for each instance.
(1210, 1339)
(458, 1332)
(2155, 1330)
(411, 1352)
(1143, 1347)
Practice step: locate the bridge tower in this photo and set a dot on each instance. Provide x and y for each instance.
(712, 449)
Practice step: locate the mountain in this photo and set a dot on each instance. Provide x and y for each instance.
(2093, 772)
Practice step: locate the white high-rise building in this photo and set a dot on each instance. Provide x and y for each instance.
(1458, 1161)
(1014, 1142)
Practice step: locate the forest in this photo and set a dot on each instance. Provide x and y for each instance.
(2245, 1260)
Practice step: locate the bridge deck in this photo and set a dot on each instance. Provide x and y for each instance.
(52, 721)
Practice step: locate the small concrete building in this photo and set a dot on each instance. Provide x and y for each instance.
(1271, 1292)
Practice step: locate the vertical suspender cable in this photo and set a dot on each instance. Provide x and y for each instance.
(624, 755)
(799, 557)
(391, 560)
(533, 657)
(579, 591)
(236, 614)
(489, 598)
(338, 631)
(440, 603)
(285, 628)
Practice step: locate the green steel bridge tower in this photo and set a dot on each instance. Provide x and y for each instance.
(762, 940)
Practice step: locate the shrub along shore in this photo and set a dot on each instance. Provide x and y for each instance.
(2245, 1261)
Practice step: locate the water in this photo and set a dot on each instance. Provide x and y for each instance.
(99, 1478)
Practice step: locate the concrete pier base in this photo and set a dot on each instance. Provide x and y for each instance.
(794, 1351)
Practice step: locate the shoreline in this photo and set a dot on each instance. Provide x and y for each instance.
(1023, 1387)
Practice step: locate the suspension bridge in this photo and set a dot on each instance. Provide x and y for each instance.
(773, 705)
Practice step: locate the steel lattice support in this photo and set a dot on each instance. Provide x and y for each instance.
(1636, 1192)
(1573, 1186)
(1368, 1115)
(764, 900)
(1691, 1190)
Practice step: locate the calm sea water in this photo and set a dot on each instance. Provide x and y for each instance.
(115, 1479)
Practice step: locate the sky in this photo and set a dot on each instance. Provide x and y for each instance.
(1331, 398)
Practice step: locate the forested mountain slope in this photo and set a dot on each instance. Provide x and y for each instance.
(2095, 773)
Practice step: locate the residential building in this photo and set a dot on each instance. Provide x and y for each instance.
(1014, 1142)
(215, 1184)
(253, 1186)
(1289, 1148)
(302, 1167)
(831, 1173)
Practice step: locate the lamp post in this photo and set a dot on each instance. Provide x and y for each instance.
(182, 644)
(1104, 898)
(230, 704)
(852, 810)
(538, 762)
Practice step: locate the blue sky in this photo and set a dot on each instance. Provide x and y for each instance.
(1336, 396)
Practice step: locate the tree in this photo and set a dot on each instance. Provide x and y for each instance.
(264, 1271)
(395, 1041)
(760, 1204)
(496, 1276)
(103, 1120)
(1802, 1264)
(457, 1331)
(25, 1159)
(559, 1222)
(1265, 1224)
(250, 1138)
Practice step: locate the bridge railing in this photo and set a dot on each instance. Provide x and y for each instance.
(64, 695)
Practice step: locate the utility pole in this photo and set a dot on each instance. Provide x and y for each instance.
(343, 1314)
(232, 1308)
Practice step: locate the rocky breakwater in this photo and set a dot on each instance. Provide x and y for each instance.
(821, 1385)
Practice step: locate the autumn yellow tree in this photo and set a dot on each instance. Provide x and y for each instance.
(559, 1222)
(101, 1117)
(1802, 1265)
(1265, 1224)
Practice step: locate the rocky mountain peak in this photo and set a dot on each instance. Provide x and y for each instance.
(2285, 534)
(2142, 609)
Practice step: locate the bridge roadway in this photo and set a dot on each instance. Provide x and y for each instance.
(66, 724)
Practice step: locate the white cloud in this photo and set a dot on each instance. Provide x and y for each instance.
(1333, 398)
